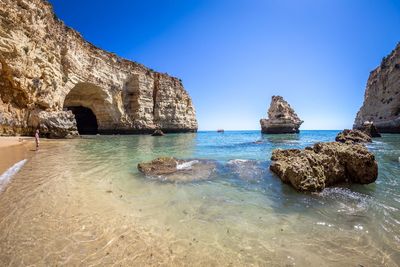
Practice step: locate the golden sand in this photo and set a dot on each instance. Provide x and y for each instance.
(14, 149)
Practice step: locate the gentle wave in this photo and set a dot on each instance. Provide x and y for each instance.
(6, 176)
(186, 165)
(238, 161)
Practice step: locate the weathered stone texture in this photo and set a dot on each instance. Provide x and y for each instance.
(382, 96)
(353, 136)
(323, 165)
(281, 118)
(46, 66)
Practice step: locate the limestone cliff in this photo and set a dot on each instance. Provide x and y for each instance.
(47, 69)
(281, 118)
(382, 96)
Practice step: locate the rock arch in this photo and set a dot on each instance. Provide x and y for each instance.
(92, 107)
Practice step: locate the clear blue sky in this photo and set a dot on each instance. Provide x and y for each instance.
(234, 55)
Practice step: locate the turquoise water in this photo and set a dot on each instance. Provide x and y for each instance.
(242, 215)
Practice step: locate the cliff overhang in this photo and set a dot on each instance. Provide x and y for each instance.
(48, 72)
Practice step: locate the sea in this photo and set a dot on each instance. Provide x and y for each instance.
(83, 202)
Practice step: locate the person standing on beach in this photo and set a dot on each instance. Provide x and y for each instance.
(37, 139)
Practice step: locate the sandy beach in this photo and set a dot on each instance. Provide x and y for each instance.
(14, 149)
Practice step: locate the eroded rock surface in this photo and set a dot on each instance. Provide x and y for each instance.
(323, 165)
(353, 136)
(370, 129)
(54, 124)
(382, 96)
(281, 118)
(46, 67)
(175, 170)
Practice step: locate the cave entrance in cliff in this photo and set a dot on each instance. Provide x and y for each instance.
(86, 121)
(91, 106)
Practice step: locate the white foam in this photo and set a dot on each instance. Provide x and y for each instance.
(186, 165)
(238, 161)
(6, 176)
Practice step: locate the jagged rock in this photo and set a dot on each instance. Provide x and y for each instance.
(158, 133)
(382, 96)
(159, 166)
(370, 129)
(353, 136)
(55, 124)
(281, 118)
(175, 170)
(47, 66)
(323, 165)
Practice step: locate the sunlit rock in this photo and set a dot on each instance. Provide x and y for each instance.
(353, 136)
(382, 96)
(323, 165)
(281, 118)
(47, 67)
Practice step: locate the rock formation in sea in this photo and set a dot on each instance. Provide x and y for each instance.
(323, 165)
(370, 129)
(158, 132)
(47, 69)
(170, 169)
(382, 96)
(281, 118)
(353, 136)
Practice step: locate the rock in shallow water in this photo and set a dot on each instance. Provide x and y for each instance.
(353, 136)
(176, 170)
(370, 129)
(324, 164)
(158, 133)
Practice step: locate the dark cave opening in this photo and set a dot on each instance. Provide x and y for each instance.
(85, 120)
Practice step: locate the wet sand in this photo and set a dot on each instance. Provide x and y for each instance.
(14, 149)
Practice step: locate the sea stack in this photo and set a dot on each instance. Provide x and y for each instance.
(382, 96)
(53, 79)
(282, 118)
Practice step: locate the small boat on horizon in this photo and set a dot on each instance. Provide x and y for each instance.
(220, 130)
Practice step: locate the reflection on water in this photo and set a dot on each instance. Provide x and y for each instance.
(83, 202)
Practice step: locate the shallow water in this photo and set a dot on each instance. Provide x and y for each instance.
(83, 202)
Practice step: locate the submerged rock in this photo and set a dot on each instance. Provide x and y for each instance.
(248, 170)
(158, 133)
(353, 136)
(370, 129)
(323, 165)
(281, 118)
(176, 170)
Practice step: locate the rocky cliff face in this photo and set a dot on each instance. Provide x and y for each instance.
(281, 118)
(382, 96)
(47, 68)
